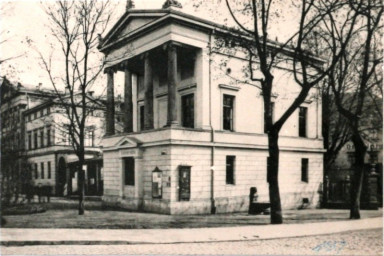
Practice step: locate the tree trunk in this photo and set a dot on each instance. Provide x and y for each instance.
(272, 177)
(81, 188)
(357, 182)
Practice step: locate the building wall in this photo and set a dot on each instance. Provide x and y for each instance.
(216, 73)
(250, 171)
(44, 159)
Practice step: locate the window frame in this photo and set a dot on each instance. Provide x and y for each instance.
(230, 169)
(191, 122)
(42, 173)
(35, 139)
(232, 107)
(36, 171)
(303, 120)
(305, 170)
(49, 167)
(129, 180)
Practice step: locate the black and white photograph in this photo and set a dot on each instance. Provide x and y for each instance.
(191, 127)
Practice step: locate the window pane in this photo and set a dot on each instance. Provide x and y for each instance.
(302, 121)
(228, 112)
(230, 169)
(141, 118)
(42, 170)
(49, 170)
(188, 119)
(129, 171)
(304, 169)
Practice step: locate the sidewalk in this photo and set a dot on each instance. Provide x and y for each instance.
(16, 236)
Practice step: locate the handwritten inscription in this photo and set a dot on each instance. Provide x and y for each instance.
(330, 246)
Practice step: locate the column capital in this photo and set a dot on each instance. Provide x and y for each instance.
(109, 70)
(124, 65)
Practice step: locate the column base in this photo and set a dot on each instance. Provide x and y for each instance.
(172, 124)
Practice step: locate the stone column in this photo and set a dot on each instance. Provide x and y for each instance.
(128, 113)
(172, 80)
(110, 115)
(148, 98)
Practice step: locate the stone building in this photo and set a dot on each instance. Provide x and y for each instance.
(15, 99)
(35, 140)
(193, 139)
(49, 147)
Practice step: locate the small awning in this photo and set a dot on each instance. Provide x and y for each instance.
(73, 158)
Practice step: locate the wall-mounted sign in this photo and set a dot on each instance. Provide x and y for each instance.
(157, 177)
(184, 183)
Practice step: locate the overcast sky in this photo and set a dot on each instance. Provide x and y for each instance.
(26, 19)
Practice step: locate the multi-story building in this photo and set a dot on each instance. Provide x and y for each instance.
(36, 140)
(15, 100)
(193, 136)
(49, 146)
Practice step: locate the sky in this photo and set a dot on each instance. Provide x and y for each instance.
(22, 20)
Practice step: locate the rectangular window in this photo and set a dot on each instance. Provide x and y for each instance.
(230, 169)
(42, 170)
(36, 172)
(186, 63)
(304, 169)
(49, 170)
(48, 110)
(35, 139)
(188, 114)
(302, 122)
(29, 140)
(29, 118)
(34, 115)
(228, 102)
(141, 118)
(273, 116)
(42, 112)
(48, 136)
(89, 138)
(129, 171)
(42, 137)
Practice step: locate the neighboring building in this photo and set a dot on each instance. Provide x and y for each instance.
(15, 99)
(194, 138)
(49, 146)
(338, 178)
(36, 140)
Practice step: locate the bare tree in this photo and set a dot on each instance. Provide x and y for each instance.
(357, 77)
(75, 26)
(308, 70)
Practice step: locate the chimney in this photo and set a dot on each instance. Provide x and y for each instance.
(91, 93)
(172, 3)
(130, 5)
(38, 87)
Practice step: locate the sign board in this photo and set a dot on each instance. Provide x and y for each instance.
(157, 187)
(184, 183)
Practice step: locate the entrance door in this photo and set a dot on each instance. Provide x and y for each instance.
(61, 177)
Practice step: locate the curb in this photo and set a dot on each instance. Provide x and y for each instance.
(120, 242)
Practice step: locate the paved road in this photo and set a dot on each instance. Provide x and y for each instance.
(363, 242)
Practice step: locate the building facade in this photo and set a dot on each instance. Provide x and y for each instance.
(194, 139)
(36, 141)
(49, 147)
(15, 100)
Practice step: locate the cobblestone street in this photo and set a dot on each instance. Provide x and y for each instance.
(364, 242)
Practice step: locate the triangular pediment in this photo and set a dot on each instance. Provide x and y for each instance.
(127, 142)
(130, 23)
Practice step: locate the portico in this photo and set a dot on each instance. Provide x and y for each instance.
(157, 74)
